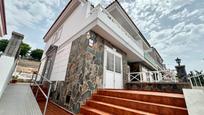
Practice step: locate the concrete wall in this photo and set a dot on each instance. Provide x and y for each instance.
(7, 67)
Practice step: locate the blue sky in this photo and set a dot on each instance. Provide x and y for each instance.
(174, 27)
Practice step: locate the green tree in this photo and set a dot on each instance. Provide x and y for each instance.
(36, 54)
(3, 44)
(24, 49)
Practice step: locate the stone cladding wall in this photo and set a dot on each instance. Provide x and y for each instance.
(84, 72)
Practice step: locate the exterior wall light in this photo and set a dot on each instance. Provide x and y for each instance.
(91, 36)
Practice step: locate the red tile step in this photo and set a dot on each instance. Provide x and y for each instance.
(127, 102)
(86, 110)
(114, 109)
(147, 96)
(140, 105)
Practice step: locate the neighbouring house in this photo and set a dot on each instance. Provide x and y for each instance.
(89, 47)
(3, 30)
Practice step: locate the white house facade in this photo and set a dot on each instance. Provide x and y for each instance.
(94, 47)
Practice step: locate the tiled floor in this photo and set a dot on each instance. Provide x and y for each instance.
(194, 101)
(18, 99)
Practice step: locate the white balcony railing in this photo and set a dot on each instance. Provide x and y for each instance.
(153, 76)
(117, 27)
(197, 81)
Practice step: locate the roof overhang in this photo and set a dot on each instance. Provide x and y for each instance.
(3, 18)
(67, 11)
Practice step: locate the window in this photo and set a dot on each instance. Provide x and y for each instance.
(117, 64)
(110, 61)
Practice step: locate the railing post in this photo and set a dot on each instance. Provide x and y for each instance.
(47, 99)
(140, 76)
(36, 76)
(158, 74)
(195, 81)
(202, 80)
(31, 79)
(129, 77)
(36, 94)
(191, 83)
(199, 81)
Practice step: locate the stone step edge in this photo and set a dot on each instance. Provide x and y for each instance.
(148, 93)
(142, 102)
(121, 107)
(96, 111)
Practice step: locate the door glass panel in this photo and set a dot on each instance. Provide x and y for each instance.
(110, 61)
(117, 64)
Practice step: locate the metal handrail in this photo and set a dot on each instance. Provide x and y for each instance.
(197, 81)
(38, 85)
(195, 76)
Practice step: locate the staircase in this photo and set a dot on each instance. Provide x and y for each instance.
(127, 102)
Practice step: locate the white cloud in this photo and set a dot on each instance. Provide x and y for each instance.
(201, 18)
(179, 15)
(185, 41)
(171, 26)
(102, 2)
(31, 13)
(32, 18)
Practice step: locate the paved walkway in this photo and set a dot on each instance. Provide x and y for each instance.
(18, 99)
(194, 101)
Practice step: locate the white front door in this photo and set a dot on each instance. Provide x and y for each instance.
(113, 75)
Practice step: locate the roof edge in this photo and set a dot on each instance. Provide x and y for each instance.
(57, 18)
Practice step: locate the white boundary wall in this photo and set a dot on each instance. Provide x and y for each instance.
(194, 101)
(7, 65)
